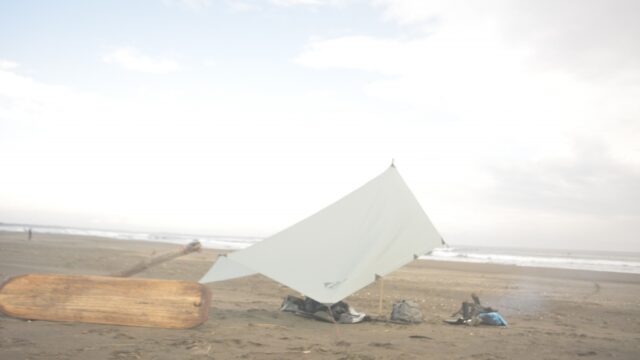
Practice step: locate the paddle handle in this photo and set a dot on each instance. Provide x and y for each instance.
(145, 264)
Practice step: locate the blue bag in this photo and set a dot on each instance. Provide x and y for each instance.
(492, 318)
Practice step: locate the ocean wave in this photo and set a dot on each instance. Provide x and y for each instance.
(576, 261)
(211, 242)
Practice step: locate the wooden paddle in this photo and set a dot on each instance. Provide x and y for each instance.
(108, 300)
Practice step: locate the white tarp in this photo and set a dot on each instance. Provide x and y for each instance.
(332, 254)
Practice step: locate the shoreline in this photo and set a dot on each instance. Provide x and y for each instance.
(585, 260)
(452, 265)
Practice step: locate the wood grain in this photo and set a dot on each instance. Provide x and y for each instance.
(106, 300)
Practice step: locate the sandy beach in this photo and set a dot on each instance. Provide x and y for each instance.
(552, 314)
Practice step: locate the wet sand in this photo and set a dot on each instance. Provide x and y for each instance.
(552, 314)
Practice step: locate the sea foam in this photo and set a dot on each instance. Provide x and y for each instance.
(562, 259)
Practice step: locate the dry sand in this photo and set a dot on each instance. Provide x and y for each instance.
(552, 314)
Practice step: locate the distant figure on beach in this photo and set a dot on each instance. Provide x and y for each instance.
(29, 232)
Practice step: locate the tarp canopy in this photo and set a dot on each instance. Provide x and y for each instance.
(339, 250)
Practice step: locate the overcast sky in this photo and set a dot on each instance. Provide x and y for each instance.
(515, 123)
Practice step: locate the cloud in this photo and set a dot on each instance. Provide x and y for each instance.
(596, 39)
(23, 100)
(464, 75)
(8, 65)
(512, 105)
(411, 12)
(197, 3)
(471, 63)
(240, 6)
(314, 3)
(385, 56)
(75, 157)
(590, 181)
(586, 200)
(193, 4)
(131, 59)
(591, 38)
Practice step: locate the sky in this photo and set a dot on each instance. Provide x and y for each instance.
(515, 123)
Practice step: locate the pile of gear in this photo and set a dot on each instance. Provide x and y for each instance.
(404, 312)
(339, 312)
(474, 313)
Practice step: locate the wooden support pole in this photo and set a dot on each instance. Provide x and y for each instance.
(381, 281)
(145, 264)
(333, 319)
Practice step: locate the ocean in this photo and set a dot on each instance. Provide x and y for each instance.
(622, 262)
